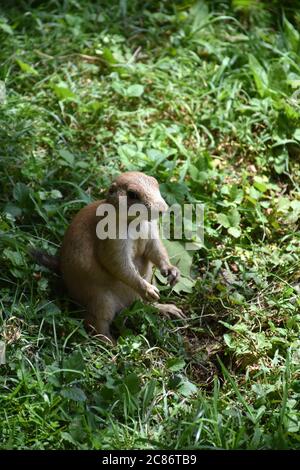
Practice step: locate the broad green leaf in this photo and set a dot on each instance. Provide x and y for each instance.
(179, 256)
(26, 67)
(74, 362)
(236, 194)
(235, 232)
(296, 386)
(4, 26)
(175, 364)
(157, 156)
(22, 195)
(67, 156)
(260, 184)
(14, 256)
(131, 157)
(12, 209)
(291, 35)
(73, 393)
(236, 298)
(185, 284)
(118, 86)
(55, 194)
(135, 91)
(240, 328)
(193, 172)
(199, 13)
(253, 193)
(204, 161)
(63, 92)
(281, 161)
(108, 56)
(187, 388)
(234, 217)
(132, 382)
(229, 340)
(259, 75)
(223, 220)
(296, 134)
(174, 192)
(284, 204)
(277, 81)
(295, 205)
(66, 436)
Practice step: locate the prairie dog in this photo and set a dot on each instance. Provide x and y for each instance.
(107, 275)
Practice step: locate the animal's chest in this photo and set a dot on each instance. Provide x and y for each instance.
(140, 261)
(138, 248)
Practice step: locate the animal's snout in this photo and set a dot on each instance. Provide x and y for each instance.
(163, 206)
(158, 202)
(158, 206)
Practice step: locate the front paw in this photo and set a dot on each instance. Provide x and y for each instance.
(172, 273)
(151, 292)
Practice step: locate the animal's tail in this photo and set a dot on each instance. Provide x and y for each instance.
(44, 259)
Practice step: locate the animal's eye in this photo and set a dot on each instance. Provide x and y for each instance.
(112, 188)
(133, 195)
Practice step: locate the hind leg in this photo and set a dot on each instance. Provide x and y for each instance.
(100, 314)
(100, 328)
(170, 309)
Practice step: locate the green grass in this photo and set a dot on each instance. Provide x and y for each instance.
(205, 97)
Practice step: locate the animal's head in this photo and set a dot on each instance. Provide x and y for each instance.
(138, 188)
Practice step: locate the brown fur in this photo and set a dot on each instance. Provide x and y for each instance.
(108, 275)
